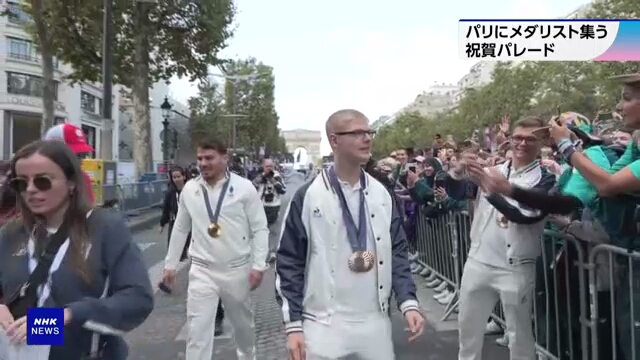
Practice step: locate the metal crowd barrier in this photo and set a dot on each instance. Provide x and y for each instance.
(132, 198)
(586, 302)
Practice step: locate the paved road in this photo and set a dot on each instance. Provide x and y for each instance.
(162, 336)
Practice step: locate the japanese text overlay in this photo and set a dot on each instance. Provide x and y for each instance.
(548, 40)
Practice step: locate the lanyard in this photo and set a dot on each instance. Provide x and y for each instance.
(213, 217)
(357, 236)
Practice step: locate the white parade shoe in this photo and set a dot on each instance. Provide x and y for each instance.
(441, 295)
(417, 268)
(425, 272)
(414, 256)
(445, 300)
(433, 283)
(431, 277)
(441, 287)
(414, 268)
(503, 341)
(493, 328)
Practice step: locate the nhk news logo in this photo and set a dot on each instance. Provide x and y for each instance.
(45, 326)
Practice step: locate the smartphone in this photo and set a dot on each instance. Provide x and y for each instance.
(412, 167)
(438, 182)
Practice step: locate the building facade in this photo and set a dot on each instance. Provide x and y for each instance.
(21, 103)
(308, 139)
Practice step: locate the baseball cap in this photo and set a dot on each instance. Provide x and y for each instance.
(72, 135)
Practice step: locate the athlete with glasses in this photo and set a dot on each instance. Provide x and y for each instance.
(76, 140)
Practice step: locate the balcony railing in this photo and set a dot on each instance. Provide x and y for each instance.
(36, 59)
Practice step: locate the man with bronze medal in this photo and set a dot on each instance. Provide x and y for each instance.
(505, 243)
(229, 246)
(342, 252)
(361, 260)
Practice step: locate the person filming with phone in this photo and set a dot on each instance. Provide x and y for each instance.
(270, 186)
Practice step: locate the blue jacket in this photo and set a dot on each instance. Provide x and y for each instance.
(112, 254)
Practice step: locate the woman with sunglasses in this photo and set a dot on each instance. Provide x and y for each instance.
(86, 259)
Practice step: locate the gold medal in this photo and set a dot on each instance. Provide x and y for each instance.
(361, 261)
(214, 230)
(502, 221)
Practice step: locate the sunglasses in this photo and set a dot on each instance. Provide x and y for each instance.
(20, 185)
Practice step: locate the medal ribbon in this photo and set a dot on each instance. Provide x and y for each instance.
(213, 217)
(357, 236)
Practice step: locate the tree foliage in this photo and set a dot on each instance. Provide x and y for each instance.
(152, 42)
(251, 95)
(520, 89)
(184, 36)
(207, 114)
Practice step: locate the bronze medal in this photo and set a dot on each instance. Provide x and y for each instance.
(361, 261)
(214, 230)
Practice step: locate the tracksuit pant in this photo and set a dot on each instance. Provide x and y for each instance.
(343, 338)
(481, 288)
(209, 283)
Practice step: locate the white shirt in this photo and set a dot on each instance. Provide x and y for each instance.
(242, 220)
(356, 293)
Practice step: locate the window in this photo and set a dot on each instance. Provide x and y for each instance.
(21, 49)
(16, 14)
(29, 85)
(90, 134)
(26, 128)
(88, 102)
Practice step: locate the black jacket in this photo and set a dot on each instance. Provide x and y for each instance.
(170, 206)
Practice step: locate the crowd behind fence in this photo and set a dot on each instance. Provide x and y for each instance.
(132, 198)
(586, 298)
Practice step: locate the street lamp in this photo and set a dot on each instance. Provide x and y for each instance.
(234, 81)
(166, 114)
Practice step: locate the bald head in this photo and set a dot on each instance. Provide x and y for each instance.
(267, 165)
(340, 119)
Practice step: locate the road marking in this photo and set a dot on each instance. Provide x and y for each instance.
(145, 246)
(155, 272)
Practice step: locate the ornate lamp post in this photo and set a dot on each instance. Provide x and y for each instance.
(166, 115)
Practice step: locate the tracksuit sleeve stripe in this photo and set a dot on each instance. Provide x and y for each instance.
(401, 279)
(291, 261)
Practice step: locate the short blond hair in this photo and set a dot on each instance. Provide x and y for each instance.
(389, 161)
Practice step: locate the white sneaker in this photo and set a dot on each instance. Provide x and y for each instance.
(441, 287)
(441, 295)
(414, 256)
(503, 341)
(445, 300)
(417, 269)
(493, 328)
(433, 283)
(431, 277)
(414, 268)
(425, 272)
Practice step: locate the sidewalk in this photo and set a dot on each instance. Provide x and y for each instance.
(441, 337)
(144, 220)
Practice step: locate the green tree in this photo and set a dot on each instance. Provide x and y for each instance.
(249, 93)
(153, 41)
(208, 119)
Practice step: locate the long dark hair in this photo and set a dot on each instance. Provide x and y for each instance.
(79, 204)
(182, 171)
(8, 197)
